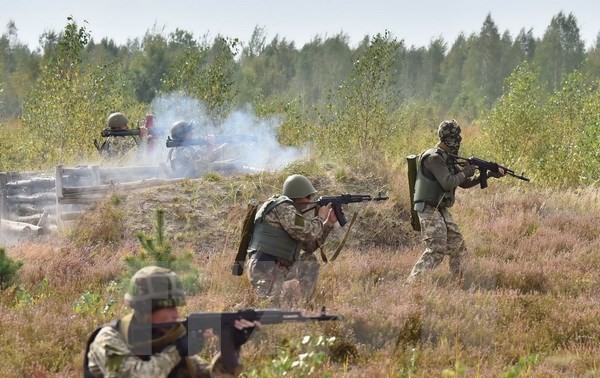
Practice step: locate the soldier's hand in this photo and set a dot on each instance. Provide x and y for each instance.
(327, 213)
(469, 170)
(143, 132)
(498, 174)
(242, 332)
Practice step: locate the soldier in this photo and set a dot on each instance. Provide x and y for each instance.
(193, 160)
(131, 347)
(280, 232)
(117, 149)
(438, 175)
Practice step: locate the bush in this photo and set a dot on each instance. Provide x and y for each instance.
(8, 269)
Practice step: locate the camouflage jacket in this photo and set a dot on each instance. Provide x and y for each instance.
(309, 231)
(118, 150)
(110, 356)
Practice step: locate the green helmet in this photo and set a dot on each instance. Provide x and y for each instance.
(116, 120)
(153, 287)
(297, 186)
(180, 129)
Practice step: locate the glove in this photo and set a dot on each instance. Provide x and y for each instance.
(469, 170)
(189, 344)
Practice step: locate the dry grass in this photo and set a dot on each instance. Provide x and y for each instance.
(531, 287)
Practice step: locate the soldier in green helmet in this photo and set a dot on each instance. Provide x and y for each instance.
(283, 241)
(117, 150)
(438, 176)
(193, 160)
(132, 347)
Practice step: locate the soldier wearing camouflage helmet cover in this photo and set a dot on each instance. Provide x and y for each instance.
(283, 241)
(118, 150)
(132, 347)
(438, 176)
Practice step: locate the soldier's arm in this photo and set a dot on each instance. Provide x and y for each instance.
(438, 167)
(311, 232)
(110, 354)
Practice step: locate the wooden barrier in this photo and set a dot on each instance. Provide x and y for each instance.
(32, 202)
(77, 188)
(26, 202)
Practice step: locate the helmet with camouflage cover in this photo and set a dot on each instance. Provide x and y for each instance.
(116, 120)
(297, 186)
(180, 129)
(449, 133)
(153, 287)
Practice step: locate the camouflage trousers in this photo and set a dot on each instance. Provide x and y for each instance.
(290, 286)
(442, 237)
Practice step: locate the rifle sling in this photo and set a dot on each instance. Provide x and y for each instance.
(343, 241)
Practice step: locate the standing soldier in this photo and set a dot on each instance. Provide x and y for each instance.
(132, 347)
(438, 175)
(280, 232)
(118, 149)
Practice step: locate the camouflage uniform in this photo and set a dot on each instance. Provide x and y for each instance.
(439, 231)
(118, 150)
(111, 356)
(129, 347)
(268, 273)
(187, 161)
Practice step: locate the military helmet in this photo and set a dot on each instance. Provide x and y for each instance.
(180, 129)
(116, 120)
(153, 287)
(297, 186)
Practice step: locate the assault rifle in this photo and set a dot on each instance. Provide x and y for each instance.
(208, 141)
(337, 202)
(485, 166)
(222, 323)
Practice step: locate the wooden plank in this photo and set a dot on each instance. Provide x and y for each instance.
(58, 187)
(86, 190)
(3, 208)
(95, 175)
(83, 200)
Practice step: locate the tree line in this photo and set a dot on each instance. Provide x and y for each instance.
(370, 97)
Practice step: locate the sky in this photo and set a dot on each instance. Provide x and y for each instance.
(416, 22)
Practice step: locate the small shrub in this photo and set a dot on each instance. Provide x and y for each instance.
(8, 269)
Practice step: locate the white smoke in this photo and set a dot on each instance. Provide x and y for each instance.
(266, 153)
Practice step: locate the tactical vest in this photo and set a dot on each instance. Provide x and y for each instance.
(270, 239)
(427, 188)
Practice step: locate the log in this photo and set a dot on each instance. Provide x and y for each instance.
(101, 189)
(47, 197)
(7, 226)
(34, 182)
(28, 209)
